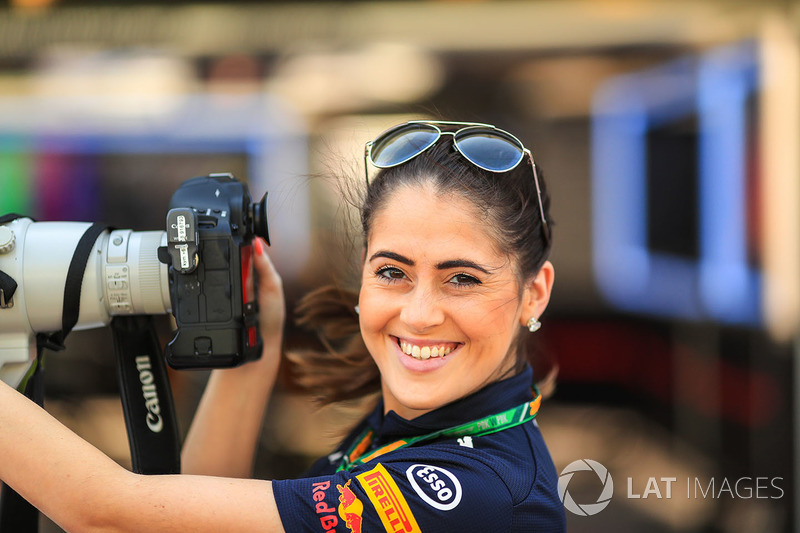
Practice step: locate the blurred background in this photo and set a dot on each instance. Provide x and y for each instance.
(668, 132)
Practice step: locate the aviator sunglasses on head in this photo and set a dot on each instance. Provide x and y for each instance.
(483, 145)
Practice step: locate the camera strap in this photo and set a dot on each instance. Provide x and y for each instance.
(72, 286)
(146, 396)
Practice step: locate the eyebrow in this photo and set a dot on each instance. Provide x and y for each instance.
(444, 265)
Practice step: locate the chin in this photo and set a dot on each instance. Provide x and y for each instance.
(419, 403)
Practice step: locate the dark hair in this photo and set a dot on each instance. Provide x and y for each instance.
(507, 202)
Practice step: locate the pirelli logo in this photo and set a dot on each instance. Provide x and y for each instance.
(389, 502)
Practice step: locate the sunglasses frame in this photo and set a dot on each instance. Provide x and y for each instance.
(466, 126)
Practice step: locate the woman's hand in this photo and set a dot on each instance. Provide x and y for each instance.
(223, 436)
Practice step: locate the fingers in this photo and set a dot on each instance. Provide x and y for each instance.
(268, 276)
(271, 301)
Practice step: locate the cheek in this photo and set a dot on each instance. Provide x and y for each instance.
(489, 319)
(375, 310)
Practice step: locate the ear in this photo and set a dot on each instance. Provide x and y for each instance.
(537, 293)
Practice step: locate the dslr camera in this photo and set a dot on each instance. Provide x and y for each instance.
(199, 269)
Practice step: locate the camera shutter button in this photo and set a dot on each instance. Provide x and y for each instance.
(7, 240)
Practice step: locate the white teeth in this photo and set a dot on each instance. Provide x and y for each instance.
(424, 352)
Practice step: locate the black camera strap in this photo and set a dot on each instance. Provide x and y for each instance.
(146, 396)
(10, 217)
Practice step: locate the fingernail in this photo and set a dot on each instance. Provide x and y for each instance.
(259, 246)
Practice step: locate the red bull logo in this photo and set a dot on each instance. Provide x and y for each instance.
(350, 507)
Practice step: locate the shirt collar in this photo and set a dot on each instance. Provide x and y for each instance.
(489, 400)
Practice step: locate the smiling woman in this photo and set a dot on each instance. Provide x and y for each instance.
(454, 270)
(454, 274)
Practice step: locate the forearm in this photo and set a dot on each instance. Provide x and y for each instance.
(82, 490)
(197, 504)
(40, 460)
(223, 437)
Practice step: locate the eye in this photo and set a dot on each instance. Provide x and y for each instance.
(463, 281)
(390, 274)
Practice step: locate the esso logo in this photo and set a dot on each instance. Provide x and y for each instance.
(436, 486)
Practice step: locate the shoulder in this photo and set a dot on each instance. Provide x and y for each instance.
(516, 459)
(468, 484)
(507, 481)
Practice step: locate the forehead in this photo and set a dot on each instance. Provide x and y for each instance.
(425, 223)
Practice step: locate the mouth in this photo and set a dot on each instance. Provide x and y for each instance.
(423, 350)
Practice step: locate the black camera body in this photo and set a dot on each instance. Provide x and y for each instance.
(210, 229)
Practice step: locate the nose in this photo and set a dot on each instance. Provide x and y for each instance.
(422, 309)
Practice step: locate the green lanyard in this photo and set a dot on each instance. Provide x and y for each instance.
(483, 426)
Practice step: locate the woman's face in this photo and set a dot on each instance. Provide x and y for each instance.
(439, 305)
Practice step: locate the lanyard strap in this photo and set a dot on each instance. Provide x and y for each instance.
(510, 418)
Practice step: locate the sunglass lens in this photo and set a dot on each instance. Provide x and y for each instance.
(490, 150)
(398, 146)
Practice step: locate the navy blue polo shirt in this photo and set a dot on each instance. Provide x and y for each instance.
(504, 481)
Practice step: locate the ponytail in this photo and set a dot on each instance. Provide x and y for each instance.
(344, 370)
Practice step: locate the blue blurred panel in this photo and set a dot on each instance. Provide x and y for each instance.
(630, 115)
(630, 275)
(730, 288)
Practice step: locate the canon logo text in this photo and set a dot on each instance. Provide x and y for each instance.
(154, 420)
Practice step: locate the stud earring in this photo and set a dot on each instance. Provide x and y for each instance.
(533, 324)
(356, 309)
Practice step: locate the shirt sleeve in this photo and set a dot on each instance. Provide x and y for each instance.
(398, 496)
